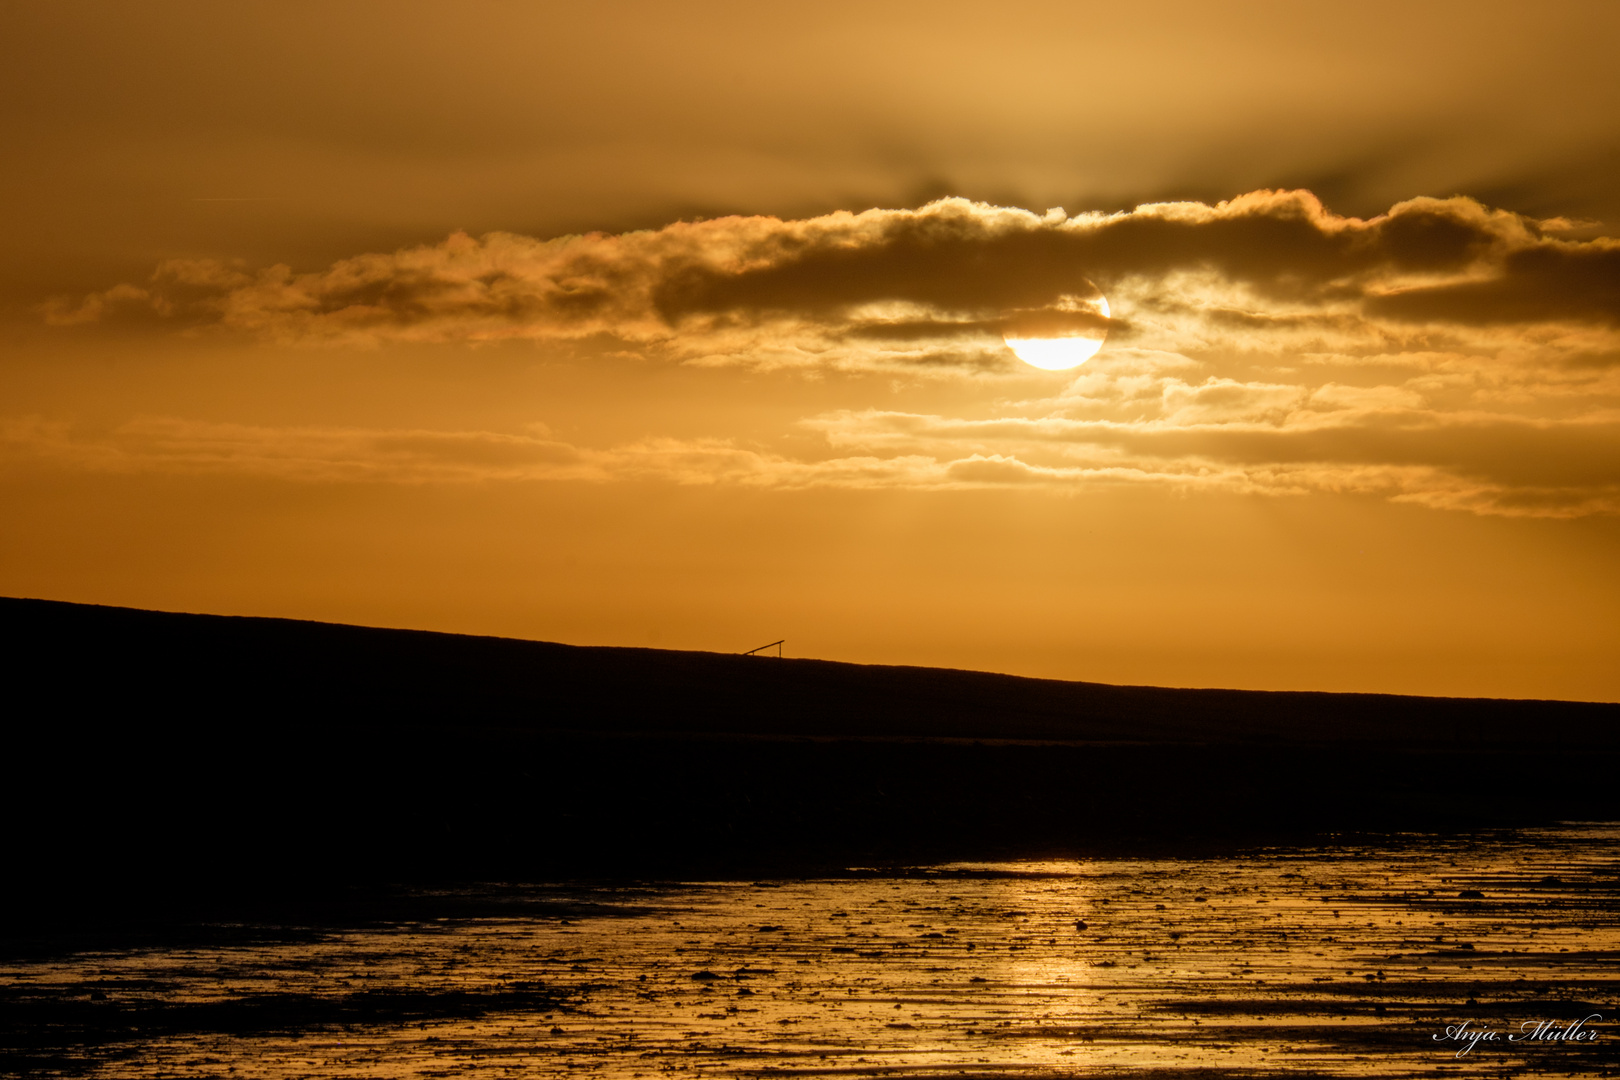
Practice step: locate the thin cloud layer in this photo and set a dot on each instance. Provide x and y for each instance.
(1220, 438)
(1442, 353)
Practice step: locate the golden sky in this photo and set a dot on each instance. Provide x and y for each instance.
(682, 324)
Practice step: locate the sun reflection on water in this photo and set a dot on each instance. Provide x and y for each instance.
(1334, 961)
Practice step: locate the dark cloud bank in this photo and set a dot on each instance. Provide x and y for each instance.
(1446, 260)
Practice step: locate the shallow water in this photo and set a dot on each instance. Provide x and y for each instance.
(1341, 960)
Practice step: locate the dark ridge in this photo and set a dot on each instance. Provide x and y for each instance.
(150, 748)
(85, 663)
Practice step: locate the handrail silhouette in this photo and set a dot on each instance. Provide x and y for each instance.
(762, 648)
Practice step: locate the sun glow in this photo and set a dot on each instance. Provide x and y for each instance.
(1062, 352)
(1054, 354)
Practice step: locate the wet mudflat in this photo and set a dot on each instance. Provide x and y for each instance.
(1330, 960)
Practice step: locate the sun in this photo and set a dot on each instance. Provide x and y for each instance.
(1054, 354)
(1063, 351)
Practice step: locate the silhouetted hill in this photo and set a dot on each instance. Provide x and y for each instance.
(83, 660)
(152, 747)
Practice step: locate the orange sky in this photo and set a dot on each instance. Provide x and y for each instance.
(681, 324)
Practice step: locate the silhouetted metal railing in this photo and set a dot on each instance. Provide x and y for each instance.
(777, 645)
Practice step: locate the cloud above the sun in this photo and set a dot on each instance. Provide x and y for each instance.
(1442, 353)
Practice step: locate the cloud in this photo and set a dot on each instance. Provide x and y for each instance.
(1548, 281)
(162, 444)
(1441, 353)
(1359, 444)
(888, 289)
(959, 255)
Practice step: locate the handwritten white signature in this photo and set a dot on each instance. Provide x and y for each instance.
(1529, 1031)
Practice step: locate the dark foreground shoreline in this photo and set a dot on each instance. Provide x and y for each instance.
(197, 756)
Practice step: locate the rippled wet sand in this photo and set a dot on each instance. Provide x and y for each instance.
(1328, 960)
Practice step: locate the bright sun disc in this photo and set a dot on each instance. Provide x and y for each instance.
(1060, 353)
(1054, 354)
